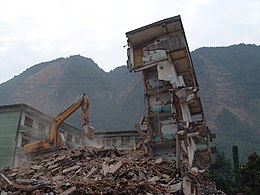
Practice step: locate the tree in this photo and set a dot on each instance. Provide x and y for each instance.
(236, 166)
(250, 175)
(222, 173)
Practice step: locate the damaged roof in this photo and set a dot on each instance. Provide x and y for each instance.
(177, 48)
(148, 32)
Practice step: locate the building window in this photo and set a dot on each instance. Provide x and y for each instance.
(114, 141)
(25, 141)
(77, 140)
(28, 121)
(108, 143)
(125, 141)
(48, 130)
(69, 137)
(41, 127)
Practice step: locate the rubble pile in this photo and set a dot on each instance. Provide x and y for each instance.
(89, 170)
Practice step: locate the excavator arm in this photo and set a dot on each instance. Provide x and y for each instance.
(54, 141)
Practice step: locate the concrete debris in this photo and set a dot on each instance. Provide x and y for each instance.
(6, 179)
(158, 161)
(90, 170)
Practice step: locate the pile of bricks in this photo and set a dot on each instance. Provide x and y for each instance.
(90, 170)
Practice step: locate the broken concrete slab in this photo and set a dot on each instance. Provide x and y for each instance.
(69, 191)
(114, 168)
(76, 167)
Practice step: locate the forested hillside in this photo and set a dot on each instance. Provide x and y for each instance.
(228, 78)
(229, 83)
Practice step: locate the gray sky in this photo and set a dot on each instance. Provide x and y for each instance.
(34, 31)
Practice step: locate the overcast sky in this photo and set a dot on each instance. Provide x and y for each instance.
(34, 31)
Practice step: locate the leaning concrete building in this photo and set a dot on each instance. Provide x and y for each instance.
(21, 124)
(174, 126)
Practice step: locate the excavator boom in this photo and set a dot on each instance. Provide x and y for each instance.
(55, 141)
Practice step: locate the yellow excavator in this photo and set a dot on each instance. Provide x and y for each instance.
(55, 142)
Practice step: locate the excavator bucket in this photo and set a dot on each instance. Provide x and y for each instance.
(89, 132)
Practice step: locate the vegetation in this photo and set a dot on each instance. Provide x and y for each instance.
(228, 78)
(232, 131)
(244, 179)
(236, 166)
(222, 173)
(250, 175)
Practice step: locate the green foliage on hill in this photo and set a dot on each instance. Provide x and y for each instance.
(232, 131)
(243, 62)
(228, 78)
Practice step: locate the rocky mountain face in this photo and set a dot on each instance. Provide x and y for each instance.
(228, 79)
(52, 86)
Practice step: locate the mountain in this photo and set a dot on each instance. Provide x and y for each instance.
(228, 79)
(52, 86)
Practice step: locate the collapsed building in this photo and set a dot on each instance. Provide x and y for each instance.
(174, 126)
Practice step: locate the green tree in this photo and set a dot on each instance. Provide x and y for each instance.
(222, 173)
(250, 175)
(236, 166)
